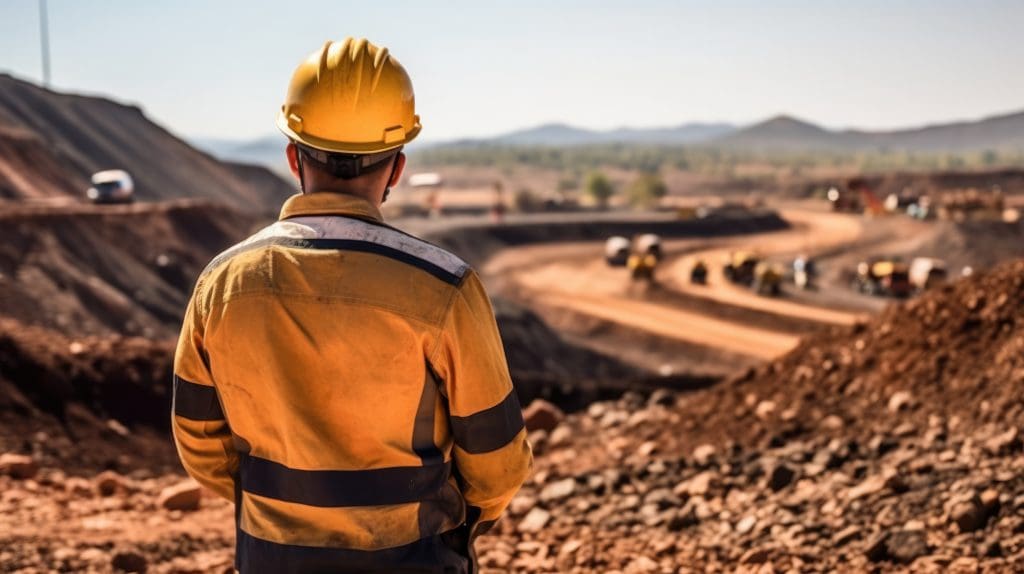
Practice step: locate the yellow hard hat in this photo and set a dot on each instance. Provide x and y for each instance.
(350, 97)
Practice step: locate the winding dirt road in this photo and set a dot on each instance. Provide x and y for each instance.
(812, 233)
(575, 277)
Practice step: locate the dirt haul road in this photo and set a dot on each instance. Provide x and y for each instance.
(575, 277)
(812, 233)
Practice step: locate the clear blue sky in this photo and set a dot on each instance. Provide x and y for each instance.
(219, 68)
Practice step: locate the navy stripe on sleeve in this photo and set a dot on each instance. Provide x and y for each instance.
(196, 402)
(489, 429)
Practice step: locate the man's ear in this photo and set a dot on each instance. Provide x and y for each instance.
(399, 167)
(292, 153)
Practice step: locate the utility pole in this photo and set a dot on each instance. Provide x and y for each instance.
(44, 37)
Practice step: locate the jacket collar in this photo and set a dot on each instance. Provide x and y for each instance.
(329, 203)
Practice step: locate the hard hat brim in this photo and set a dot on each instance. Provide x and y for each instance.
(344, 147)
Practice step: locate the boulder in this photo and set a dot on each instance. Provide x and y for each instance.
(18, 466)
(755, 556)
(969, 515)
(899, 401)
(898, 546)
(184, 496)
(780, 476)
(108, 483)
(542, 415)
(534, 521)
(703, 454)
(127, 561)
(558, 490)
(1004, 443)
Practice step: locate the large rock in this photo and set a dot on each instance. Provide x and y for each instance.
(534, 521)
(703, 455)
(109, 482)
(780, 476)
(899, 546)
(1004, 443)
(899, 401)
(183, 496)
(18, 465)
(698, 485)
(558, 490)
(542, 415)
(969, 514)
(127, 561)
(755, 556)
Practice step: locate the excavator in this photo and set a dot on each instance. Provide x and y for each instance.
(699, 272)
(857, 198)
(645, 257)
(640, 256)
(739, 267)
(767, 279)
(747, 268)
(641, 267)
(881, 276)
(616, 251)
(927, 273)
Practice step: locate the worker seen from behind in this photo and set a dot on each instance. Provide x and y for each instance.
(342, 382)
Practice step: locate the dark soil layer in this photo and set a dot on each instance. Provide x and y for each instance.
(85, 404)
(110, 270)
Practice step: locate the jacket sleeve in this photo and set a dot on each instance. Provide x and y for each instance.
(201, 433)
(491, 453)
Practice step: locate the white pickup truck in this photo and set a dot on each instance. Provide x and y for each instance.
(111, 186)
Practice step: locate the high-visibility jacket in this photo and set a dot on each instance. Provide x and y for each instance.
(344, 383)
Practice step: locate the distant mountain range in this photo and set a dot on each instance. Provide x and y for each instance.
(780, 133)
(565, 135)
(788, 133)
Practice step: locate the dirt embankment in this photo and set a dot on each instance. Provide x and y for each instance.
(50, 144)
(85, 403)
(124, 270)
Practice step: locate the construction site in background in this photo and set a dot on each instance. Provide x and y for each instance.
(773, 347)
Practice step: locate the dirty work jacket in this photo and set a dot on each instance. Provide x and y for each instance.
(344, 383)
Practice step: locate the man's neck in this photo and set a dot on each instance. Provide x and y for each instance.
(374, 201)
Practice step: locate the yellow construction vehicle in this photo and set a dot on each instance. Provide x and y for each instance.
(767, 279)
(926, 273)
(699, 273)
(616, 251)
(883, 276)
(739, 267)
(649, 244)
(641, 266)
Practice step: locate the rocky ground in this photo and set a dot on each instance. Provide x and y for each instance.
(887, 446)
(52, 522)
(894, 445)
(934, 500)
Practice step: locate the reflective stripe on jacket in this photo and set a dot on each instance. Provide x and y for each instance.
(344, 383)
